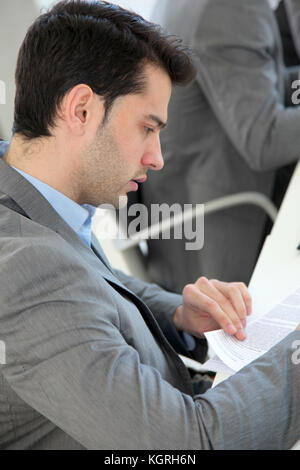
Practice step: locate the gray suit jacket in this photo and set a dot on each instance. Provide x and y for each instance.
(226, 133)
(87, 365)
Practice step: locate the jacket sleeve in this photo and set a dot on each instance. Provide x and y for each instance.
(68, 358)
(240, 70)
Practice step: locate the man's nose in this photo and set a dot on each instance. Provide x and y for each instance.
(153, 158)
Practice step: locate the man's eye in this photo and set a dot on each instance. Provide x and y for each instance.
(148, 130)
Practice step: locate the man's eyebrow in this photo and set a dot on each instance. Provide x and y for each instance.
(156, 119)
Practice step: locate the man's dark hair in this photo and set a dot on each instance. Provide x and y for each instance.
(99, 44)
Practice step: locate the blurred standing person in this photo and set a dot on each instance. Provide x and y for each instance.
(228, 132)
(292, 8)
(285, 17)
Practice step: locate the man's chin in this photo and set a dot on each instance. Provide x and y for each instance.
(116, 204)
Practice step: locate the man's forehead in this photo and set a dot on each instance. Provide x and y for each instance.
(157, 94)
(155, 75)
(152, 102)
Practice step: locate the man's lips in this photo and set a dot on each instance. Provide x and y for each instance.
(140, 180)
(134, 183)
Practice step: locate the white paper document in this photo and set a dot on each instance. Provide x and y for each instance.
(262, 334)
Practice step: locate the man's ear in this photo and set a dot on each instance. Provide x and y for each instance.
(82, 109)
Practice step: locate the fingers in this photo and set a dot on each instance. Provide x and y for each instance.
(199, 301)
(227, 304)
(235, 291)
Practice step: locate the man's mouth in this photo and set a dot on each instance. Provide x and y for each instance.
(140, 180)
(135, 183)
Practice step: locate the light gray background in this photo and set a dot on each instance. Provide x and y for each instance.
(15, 18)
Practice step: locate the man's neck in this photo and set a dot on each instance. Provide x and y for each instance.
(41, 160)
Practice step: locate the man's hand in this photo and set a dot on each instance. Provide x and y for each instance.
(210, 305)
(298, 327)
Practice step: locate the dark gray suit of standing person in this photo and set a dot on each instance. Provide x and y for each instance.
(286, 15)
(292, 8)
(227, 133)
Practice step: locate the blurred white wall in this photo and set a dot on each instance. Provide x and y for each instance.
(143, 7)
(15, 18)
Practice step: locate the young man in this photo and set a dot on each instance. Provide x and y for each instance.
(90, 359)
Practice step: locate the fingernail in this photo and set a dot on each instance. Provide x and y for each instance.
(249, 310)
(241, 335)
(231, 329)
(244, 323)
